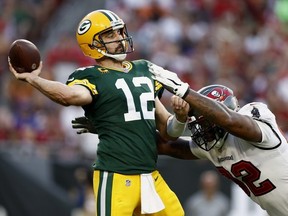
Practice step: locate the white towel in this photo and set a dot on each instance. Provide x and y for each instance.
(150, 200)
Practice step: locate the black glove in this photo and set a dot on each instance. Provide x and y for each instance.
(84, 125)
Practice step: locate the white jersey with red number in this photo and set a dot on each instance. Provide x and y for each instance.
(260, 169)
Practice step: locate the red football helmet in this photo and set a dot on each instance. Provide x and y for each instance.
(204, 133)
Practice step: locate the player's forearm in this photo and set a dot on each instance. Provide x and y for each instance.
(214, 111)
(55, 91)
(179, 148)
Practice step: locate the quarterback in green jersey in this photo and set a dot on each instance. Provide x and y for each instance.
(121, 98)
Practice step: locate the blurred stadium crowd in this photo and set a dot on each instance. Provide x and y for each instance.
(242, 44)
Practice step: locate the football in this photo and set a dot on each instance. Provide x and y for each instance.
(24, 56)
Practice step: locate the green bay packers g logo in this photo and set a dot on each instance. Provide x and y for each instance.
(84, 27)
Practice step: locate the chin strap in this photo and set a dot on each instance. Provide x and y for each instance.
(222, 137)
(118, 57)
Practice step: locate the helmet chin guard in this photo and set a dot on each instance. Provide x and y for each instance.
(204, 133)
(118, 57)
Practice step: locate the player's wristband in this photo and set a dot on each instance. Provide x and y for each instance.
(175, 128)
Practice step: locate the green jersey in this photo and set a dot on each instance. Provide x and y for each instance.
(123, 111)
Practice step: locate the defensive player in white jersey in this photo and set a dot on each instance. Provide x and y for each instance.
(245, 144)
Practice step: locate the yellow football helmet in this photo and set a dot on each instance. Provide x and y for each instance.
(93, 25)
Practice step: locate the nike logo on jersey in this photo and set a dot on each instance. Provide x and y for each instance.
(71, 79)
(128, 183)
(255, 113)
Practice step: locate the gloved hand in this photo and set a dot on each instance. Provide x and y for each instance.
(170, 80)
(84, 125)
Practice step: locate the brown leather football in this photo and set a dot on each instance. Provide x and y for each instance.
(24, 56)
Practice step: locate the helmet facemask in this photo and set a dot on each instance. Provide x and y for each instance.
(126, 44)
(205, 133)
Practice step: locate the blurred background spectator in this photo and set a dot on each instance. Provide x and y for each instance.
(242, 44)
(208, 200)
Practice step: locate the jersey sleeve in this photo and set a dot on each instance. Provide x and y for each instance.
(80, 77)
(266, 121)
(159, 89)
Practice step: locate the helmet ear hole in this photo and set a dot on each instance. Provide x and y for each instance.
(97, 44)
